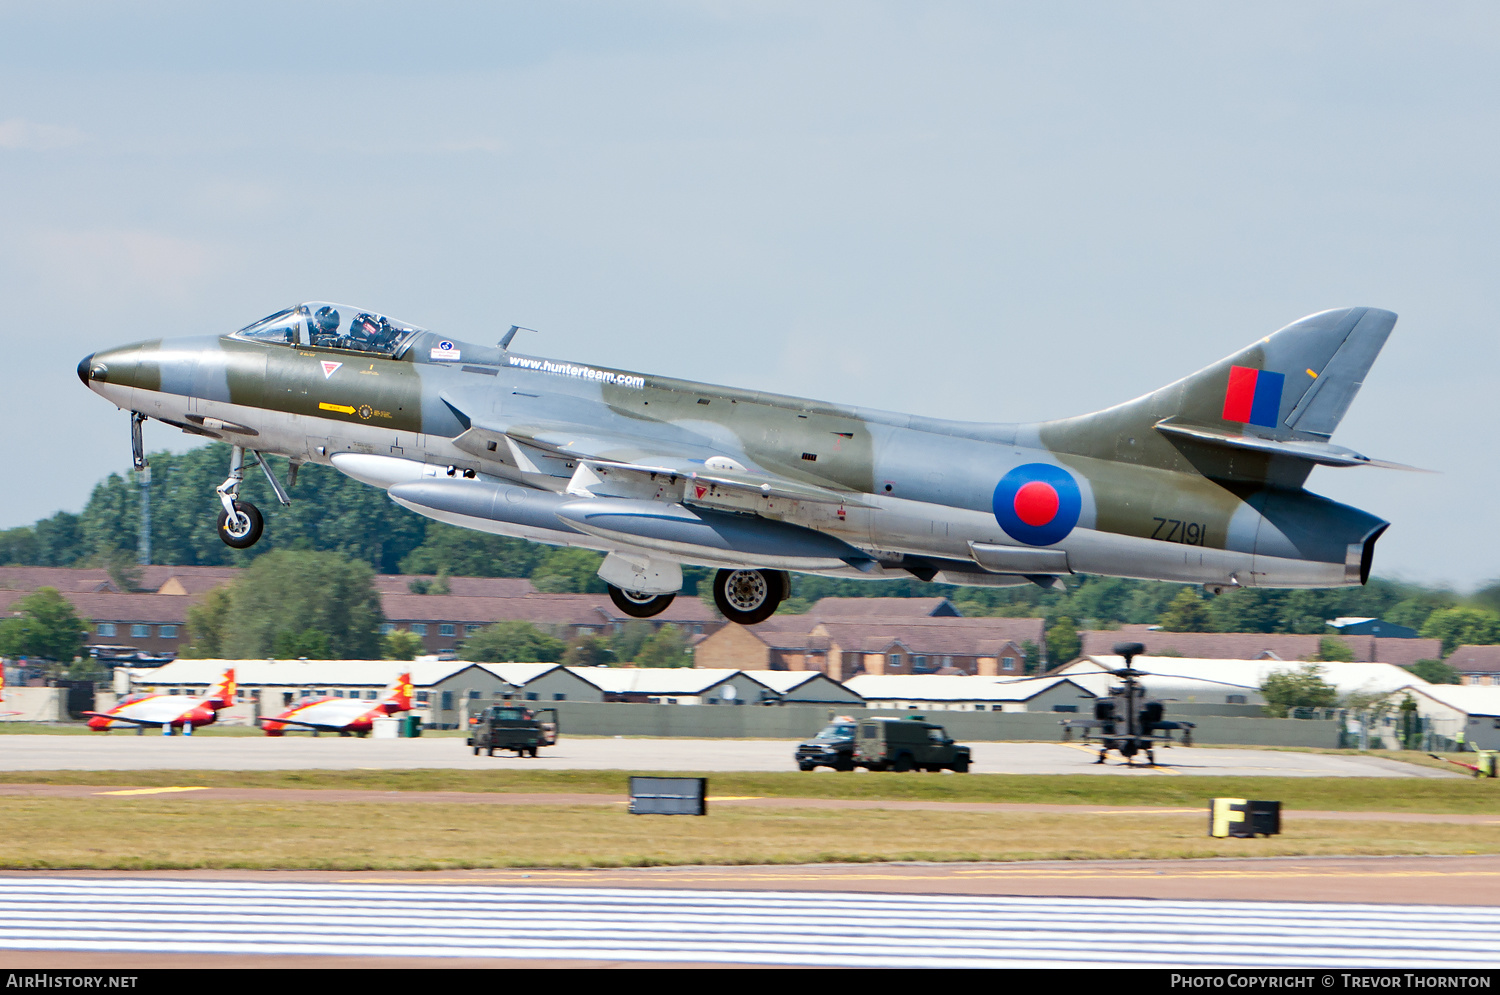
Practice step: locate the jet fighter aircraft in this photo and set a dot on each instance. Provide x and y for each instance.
(169, 712)
(344, 716)
(1199, 482)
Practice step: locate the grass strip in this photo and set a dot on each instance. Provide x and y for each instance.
(146, 834)
(1342, 794)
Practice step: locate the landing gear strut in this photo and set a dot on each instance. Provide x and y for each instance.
(750, 596)
(137, 442)
(240, 523)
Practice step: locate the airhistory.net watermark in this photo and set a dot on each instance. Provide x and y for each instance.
(48, 979)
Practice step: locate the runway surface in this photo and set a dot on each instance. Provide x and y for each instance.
(247, 920)
(130, 752)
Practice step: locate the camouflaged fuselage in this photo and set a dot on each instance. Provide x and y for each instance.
(1111, 493)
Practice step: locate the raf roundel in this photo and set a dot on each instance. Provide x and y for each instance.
(1037, 504)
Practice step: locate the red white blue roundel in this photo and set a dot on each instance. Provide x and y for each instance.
(1037, 503)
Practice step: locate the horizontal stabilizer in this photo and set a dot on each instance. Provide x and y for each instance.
(1322, 453)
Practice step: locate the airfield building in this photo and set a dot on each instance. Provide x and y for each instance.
(1451, 708)
(1232, 682)
(1257, 645)
(936, 692)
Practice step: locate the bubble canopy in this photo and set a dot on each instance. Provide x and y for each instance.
(326, 325)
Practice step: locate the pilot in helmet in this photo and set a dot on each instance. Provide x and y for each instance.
(387, 335)
(325, 324)
(364, 328)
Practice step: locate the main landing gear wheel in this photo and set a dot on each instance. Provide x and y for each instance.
(749, 596)
(638, 605)
(245, 529)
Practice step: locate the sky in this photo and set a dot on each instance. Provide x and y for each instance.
(984, 211)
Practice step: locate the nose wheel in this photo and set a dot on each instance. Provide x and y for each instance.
(747, 597)
(244, 529)
(240, 523)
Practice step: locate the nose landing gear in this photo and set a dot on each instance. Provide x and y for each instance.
(240, 523)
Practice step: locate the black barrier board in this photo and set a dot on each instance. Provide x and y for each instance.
(669, 796)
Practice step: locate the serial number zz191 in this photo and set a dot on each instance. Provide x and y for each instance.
(1187, 533)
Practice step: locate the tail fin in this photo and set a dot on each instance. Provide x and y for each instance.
(222, 695)
(1280, 397)
(398, 695)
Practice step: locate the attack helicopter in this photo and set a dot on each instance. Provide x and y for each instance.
(1127, 721)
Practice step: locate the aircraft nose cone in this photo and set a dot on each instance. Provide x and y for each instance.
(83, 368)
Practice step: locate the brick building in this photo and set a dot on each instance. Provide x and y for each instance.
(444, 621)
(1476, 664)
(153, 618)
(879, 636)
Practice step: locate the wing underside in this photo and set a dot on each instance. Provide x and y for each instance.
(689, 469)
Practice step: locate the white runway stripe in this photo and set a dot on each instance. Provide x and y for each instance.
(176, 916)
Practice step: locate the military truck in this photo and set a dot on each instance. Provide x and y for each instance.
(513, 727)
(906, 743)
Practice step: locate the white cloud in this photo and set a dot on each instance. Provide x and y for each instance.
(17, 133)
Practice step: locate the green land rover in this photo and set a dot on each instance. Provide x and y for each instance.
(906, 743)
(513, 727)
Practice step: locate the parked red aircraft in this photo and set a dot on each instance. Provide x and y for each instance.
(2, 692)
(342, 715)
(169, 712)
